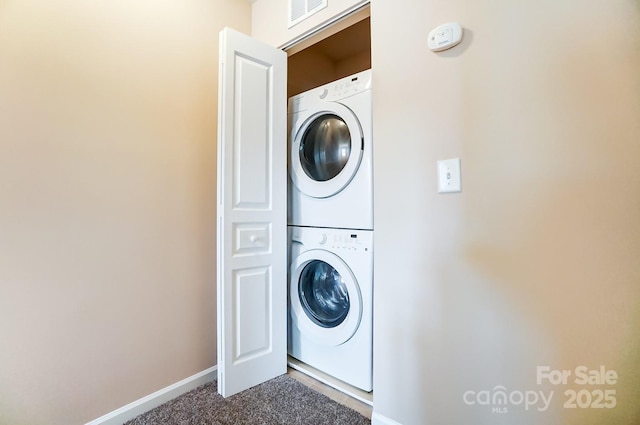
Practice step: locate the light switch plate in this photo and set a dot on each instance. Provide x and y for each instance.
(449, 175)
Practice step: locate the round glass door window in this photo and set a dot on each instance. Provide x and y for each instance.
(325, 147)
(323, 294)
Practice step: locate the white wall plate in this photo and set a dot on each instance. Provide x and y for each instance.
(449, 175)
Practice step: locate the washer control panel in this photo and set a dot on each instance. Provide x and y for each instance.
(348, 242)
(336, 240)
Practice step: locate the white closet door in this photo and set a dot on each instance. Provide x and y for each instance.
(252, 217)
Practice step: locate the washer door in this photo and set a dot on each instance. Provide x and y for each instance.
(326, 149)
(325, 299)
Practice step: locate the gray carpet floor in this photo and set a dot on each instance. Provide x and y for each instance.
(282, 400)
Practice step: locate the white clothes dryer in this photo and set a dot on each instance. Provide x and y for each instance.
(331, 302)
(330, 155)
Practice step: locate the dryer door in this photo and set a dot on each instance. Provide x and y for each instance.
(326, 303)
(326, 149)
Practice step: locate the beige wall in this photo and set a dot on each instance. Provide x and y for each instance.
(107, 201)
(536, 261)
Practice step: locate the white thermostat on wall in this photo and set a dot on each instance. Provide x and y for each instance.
(445, 36)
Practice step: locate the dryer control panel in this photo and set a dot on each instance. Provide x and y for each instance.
(339, 89)
(346, 87)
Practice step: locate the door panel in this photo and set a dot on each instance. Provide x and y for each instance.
(251, 238)
(252, 281)
(251, 289)
(252, 174)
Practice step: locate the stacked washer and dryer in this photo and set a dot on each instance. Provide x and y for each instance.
(330, 221)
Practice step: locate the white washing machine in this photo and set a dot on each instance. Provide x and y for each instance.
(331, 302)
(330, 155)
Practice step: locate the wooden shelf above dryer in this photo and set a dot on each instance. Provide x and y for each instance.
(336, 52)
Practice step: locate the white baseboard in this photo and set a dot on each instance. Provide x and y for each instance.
(140, 406)
(378, 419)
(318, 375)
